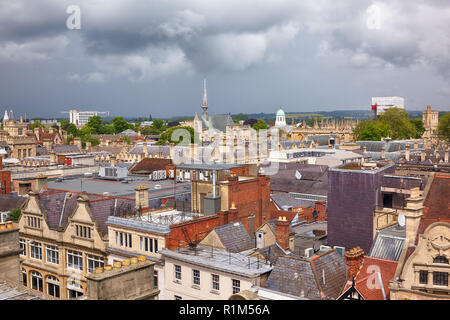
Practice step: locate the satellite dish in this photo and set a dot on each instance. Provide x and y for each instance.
(401, 220)
(298, 175)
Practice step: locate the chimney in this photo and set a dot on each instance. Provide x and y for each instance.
(113, 161)
(251, 226)
(233, 213)
(36, 133)
(354, 258)
(142, 197)
(53, 158)
(88, 145)
(422, 155)
(321, 210)
(145, 150)
(383, 153)
(364, 149)
(77, 142)
(413, 213)
(50, 130)
(282, 232)
(446, 155)
(407, 152)
(40, 183)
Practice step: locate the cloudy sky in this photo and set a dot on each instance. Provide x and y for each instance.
(136, 57)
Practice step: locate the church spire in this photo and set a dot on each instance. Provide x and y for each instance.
(6, 117)
(205, 100)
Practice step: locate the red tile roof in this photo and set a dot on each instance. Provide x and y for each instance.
(367, 279)
(437, 204)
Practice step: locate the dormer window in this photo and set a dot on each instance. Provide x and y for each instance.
(33, 222)
(82, 231)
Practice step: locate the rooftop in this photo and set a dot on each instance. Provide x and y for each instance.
(220, 259)
(118, 188)
(211, 166)
(154, 222)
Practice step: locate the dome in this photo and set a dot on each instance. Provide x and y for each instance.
(280, 113)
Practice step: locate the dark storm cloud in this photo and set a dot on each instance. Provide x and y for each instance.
(139, 41)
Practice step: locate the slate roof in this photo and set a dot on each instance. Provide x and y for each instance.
(68, 148)
(9, 291)
(286, 199)
(217, 121)
(321, 277)
(388, 243)
(314, 179)
(58, 206)
(234, 237)
(272, 252)
(152, 150)
(41, 151)
(9, 202)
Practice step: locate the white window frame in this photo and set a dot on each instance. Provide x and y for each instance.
(52, 280)
(36, 250)
(196, 277)
(96, 261)
(177, 272)
(234, 286)
(52, 254)
(23, 246)
(215, 282)
(35, 274)
(76, 255)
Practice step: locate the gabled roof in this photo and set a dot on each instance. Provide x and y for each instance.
(436, 205)
(234, 237)
(59, 206)
(367, 281)
(9, 202)
(148, 165)
(321, 277)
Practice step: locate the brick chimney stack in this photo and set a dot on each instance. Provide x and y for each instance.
(407, 152)
(282, 232)
(383, 153)
(321, 210)
(41, 182)
(354, 259)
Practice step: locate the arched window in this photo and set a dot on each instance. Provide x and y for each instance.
(36, 280)
(24, 277)
(440, 259)
(53, 286)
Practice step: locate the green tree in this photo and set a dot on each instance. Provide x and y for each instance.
(167, 135)
(158, 125)
(36, 124)
(94, 125)
(14, 215)
(371, 130)
(444, 127)
(261, 124)
(418, 124)
(400, 127)
(72, 129)
(119, 124)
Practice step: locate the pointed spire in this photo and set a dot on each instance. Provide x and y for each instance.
(205, 100)
(6, 117)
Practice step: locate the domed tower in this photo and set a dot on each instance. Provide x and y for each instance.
(280, 120)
